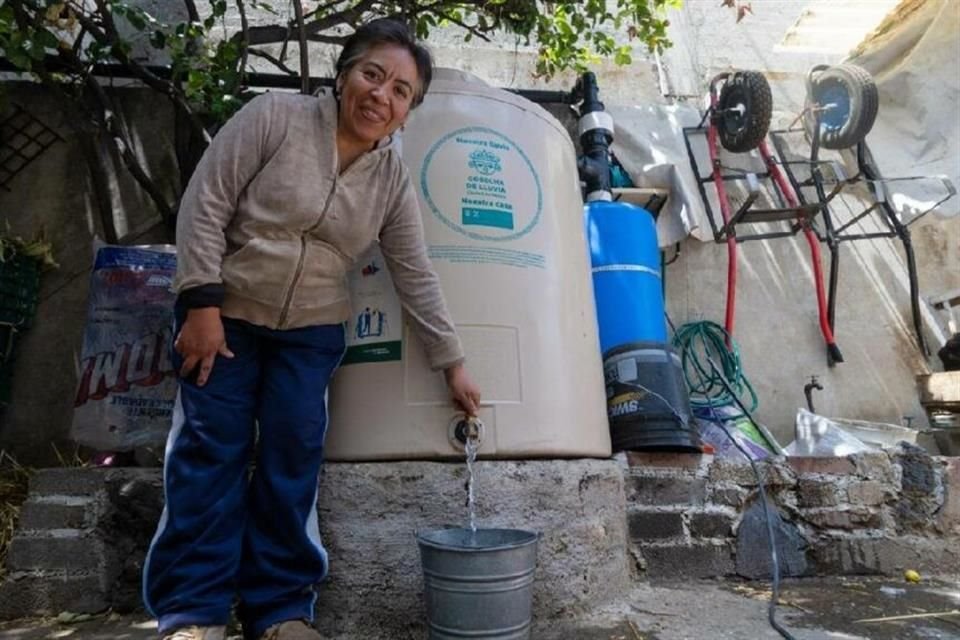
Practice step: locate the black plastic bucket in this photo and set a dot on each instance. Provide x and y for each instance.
(647, 402)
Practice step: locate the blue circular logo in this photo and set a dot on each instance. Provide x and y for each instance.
(486, 188)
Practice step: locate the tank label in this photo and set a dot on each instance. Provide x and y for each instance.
(479, 183)
(375, 327)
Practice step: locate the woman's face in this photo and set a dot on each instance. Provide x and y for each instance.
(377, 93)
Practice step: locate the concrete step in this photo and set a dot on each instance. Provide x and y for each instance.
(45, 593)
(56, 550)
(41, 512)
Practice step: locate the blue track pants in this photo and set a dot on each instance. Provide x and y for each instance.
(230, 531)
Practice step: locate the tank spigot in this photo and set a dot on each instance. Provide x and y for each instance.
(464, 429)
(468, 429)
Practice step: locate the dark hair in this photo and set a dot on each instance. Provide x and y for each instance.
(387, 31)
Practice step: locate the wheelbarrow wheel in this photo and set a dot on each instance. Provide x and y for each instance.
(847, 98)
(744, 108)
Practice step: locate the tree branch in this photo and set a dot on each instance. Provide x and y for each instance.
(321, 7)
(276, 61)
(92, 153)
(192, 12)
(154, 82)
(244, 45)
(120, 138)
(270, 34)
(304, 52)
(471, 29)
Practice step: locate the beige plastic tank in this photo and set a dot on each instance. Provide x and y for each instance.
(502, 213)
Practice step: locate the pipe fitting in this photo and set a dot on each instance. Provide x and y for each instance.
(463, 429)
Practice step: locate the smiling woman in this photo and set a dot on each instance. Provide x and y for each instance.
(381, 77)
(264, 240)
(375, 97)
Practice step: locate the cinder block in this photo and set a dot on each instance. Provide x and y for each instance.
(666, 490)
(55, 515)
(73, 553)
(698, 560)
(79, 481)
(711, 524)
(654, 525)
(44, 594)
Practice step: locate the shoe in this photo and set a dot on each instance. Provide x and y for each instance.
(291, 630)
(197, 633)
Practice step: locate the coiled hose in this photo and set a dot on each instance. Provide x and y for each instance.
(698, 344)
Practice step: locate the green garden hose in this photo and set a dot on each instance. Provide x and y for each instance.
(700, 342)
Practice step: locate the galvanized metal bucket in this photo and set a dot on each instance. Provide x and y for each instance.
(478, 584)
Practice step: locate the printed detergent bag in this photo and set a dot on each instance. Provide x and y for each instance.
(126, 386)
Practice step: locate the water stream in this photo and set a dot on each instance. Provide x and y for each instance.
(472, 445)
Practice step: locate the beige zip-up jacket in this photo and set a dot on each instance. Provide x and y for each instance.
(267, 221)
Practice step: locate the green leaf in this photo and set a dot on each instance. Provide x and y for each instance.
(46, 39)
(19, 58)
(136, 19)
(158, 39)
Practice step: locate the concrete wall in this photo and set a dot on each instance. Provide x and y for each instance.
(778, 331)
(776, 322)
(54, 194)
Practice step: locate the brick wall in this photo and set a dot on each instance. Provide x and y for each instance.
(694, 516)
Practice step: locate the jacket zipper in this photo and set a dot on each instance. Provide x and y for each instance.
(288, 299)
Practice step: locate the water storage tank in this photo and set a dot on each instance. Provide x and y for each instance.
(502, 213)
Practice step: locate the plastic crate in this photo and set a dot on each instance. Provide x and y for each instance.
(19, 293)
(19, 290)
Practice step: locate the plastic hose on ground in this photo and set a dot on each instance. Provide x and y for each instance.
(715, 378)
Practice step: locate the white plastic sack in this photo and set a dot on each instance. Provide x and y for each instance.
(126, 385)
(820, 437)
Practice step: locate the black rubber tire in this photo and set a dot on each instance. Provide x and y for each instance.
(850, 123)
(743, 132)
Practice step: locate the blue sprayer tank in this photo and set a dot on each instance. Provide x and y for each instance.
(647, 402)
(625, 260)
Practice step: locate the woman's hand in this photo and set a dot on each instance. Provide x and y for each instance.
(200, 340)
(463, 390)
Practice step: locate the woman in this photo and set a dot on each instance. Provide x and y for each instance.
(292, 190)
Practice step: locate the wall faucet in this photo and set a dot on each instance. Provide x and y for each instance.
(808, 391)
